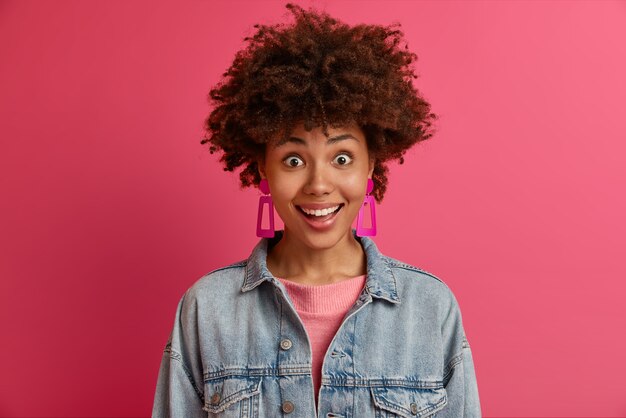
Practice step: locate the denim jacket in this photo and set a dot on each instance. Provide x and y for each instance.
(238, 349)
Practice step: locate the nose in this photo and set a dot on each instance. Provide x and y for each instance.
(319, 181)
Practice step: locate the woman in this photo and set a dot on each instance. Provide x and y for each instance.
(316, 321)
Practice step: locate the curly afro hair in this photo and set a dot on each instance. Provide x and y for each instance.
(320, 72)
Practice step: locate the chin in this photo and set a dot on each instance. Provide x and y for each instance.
(322, 240)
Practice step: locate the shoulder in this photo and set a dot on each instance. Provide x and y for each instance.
(221, 275)
(405, 272)
(401, 267)
(425, 289)
(217, 284)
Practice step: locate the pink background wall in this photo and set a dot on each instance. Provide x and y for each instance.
(110, 208)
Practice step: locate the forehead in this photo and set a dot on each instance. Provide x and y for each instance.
(301, 136)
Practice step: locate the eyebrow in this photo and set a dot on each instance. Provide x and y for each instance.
(300, 141)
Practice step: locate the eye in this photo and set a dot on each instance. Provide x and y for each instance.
(293, 161)
(343, 159)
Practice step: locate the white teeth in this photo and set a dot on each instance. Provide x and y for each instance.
(320, 212)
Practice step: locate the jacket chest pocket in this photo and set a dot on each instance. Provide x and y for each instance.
(232, 397)
(398, 401)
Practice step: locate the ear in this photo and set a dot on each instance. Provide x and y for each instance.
(371, 167)
(261, 166)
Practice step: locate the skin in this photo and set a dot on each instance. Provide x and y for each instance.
(306, 170)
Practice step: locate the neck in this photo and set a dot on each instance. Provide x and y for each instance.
(291, 259)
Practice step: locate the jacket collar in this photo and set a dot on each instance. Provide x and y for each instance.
(380, 282)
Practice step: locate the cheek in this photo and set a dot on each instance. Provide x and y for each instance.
(281, 202)
(282, 191)
(354, 187)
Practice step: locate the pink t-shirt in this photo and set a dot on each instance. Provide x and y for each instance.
(322, 309)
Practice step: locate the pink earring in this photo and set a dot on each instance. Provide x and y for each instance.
(266, 199)
(361, 230)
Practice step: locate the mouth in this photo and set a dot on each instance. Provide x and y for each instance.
(320, 218)
(317, 213)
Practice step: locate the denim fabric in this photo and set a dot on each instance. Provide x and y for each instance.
(238, 349)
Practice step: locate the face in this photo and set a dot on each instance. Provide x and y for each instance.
(317, 183)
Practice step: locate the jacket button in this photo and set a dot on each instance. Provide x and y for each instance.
(215, 399)
(414, 408)
(286, 344)
(288, 407)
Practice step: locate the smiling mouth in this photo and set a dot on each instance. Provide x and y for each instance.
(320, 213)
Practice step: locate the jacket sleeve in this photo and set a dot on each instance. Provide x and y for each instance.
(179, 390)
(459, 374)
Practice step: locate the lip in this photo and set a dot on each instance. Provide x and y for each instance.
(320, 224)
